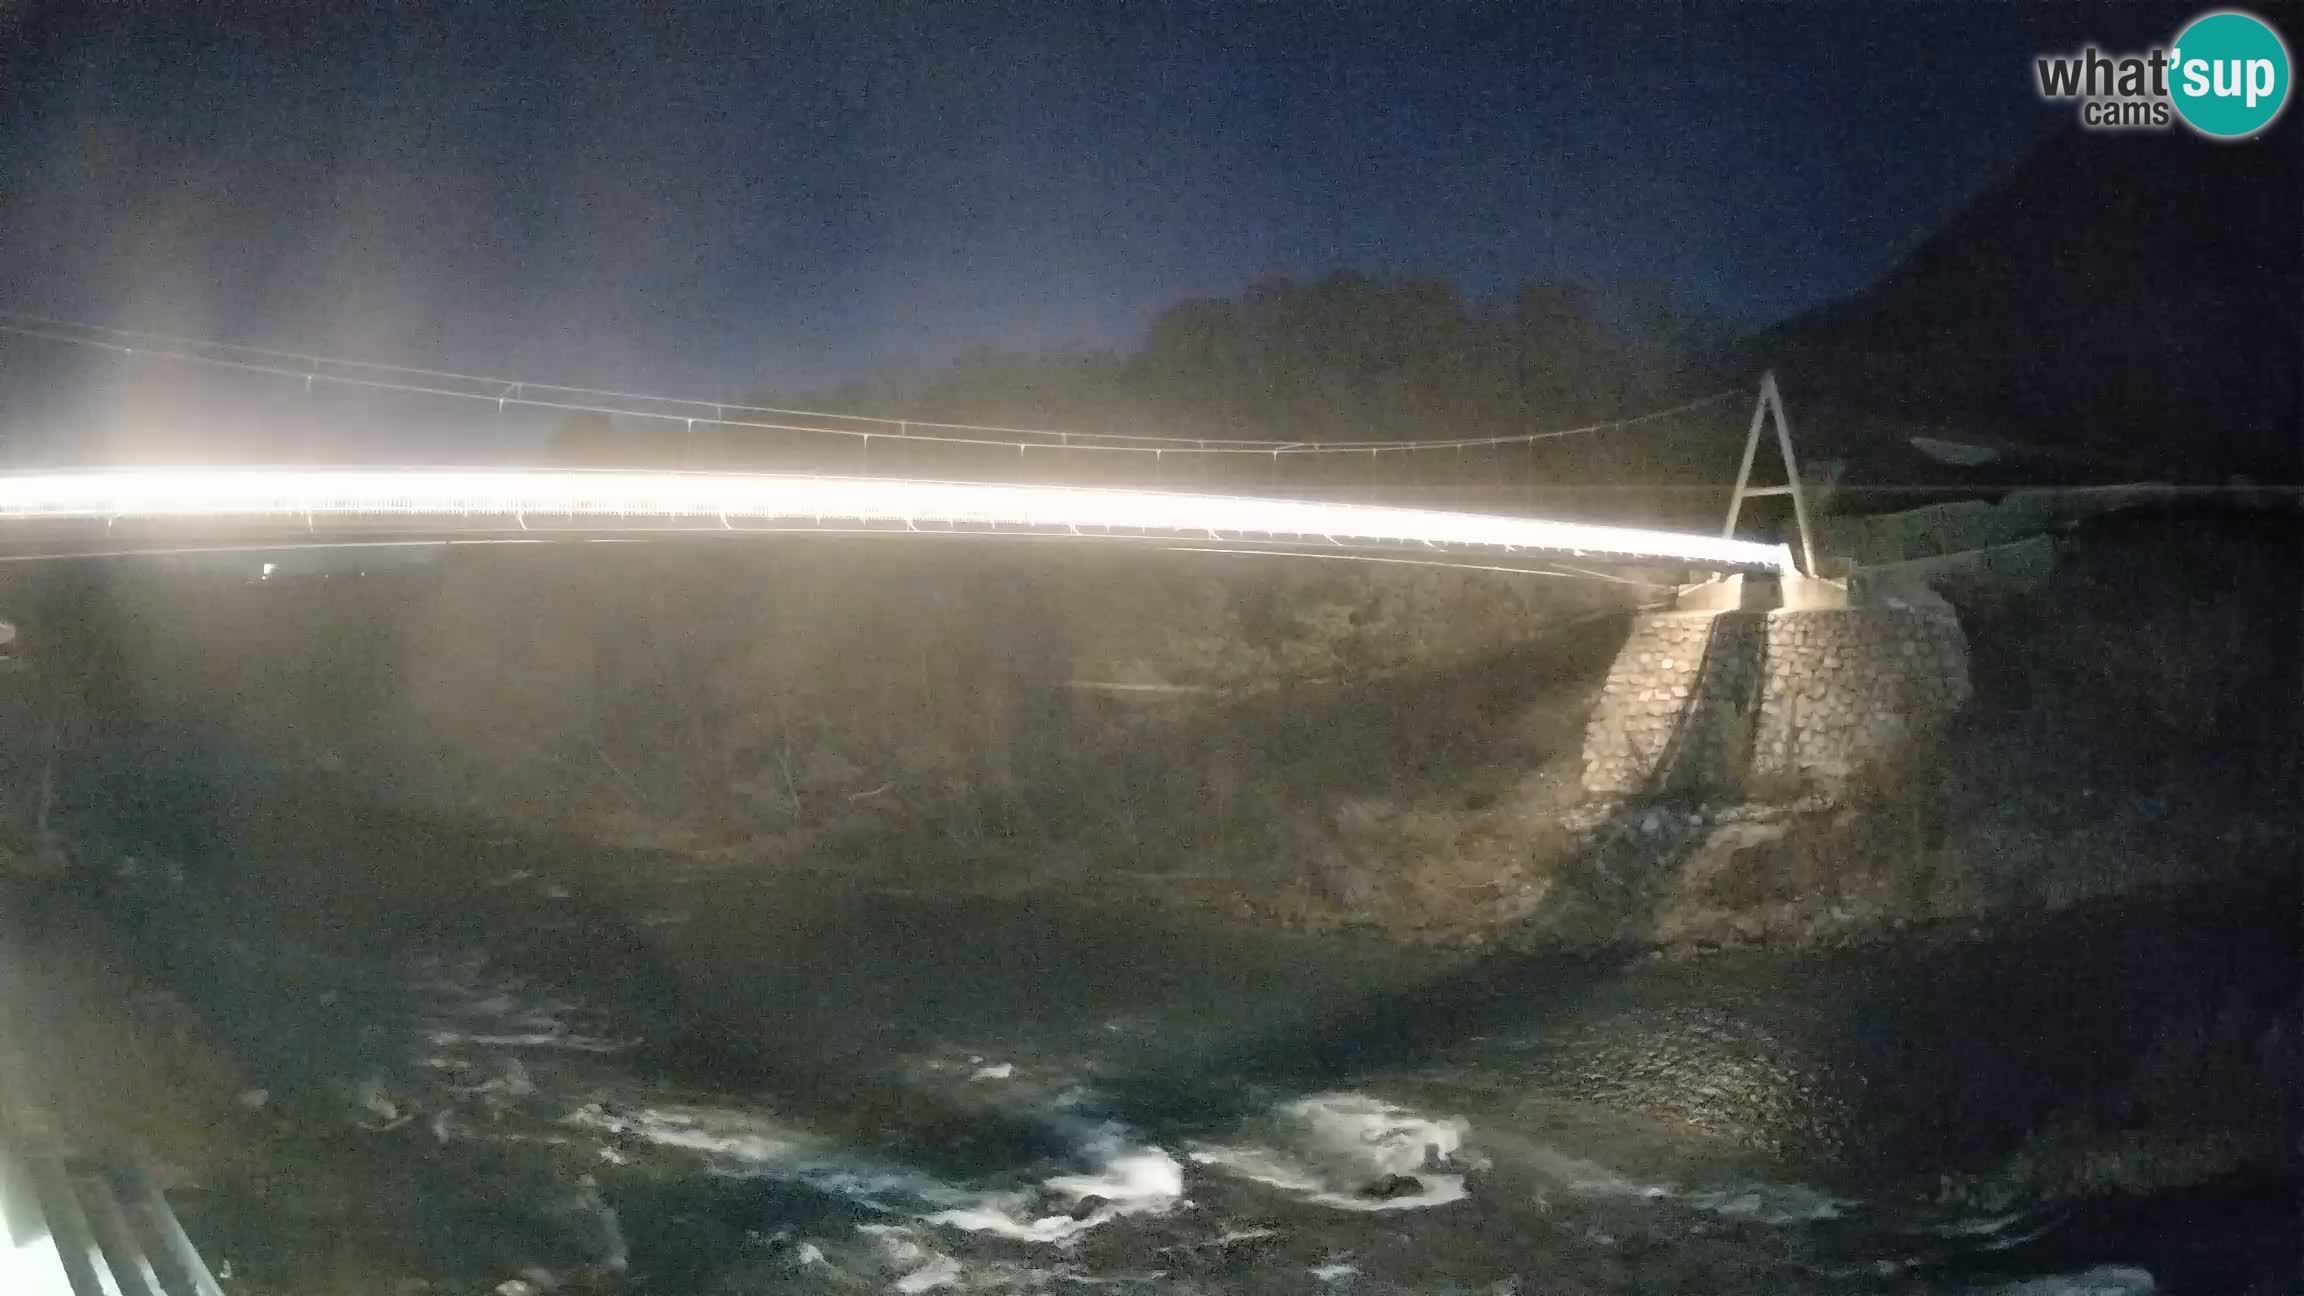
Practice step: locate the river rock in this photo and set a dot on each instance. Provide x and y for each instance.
(1391, 1187)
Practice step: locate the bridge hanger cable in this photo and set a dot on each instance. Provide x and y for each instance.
(517, 389)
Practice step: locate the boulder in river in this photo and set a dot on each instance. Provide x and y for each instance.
(1392, 1187)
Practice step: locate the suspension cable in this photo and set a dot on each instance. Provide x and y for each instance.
(508, 392)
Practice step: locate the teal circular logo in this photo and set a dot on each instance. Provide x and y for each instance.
(2228, 74)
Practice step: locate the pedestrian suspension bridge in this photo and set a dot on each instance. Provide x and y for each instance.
(1457, 502)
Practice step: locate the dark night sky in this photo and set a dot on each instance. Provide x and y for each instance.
(792, 194)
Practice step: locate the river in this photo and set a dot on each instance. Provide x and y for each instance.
(500, 1059)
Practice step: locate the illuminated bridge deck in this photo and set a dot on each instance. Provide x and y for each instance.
(98, 511)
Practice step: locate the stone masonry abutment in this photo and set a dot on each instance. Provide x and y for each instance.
(1737, 702)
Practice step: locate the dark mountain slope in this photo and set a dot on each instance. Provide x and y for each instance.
(2123, 306)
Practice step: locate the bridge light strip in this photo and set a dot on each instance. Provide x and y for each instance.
(605, 498)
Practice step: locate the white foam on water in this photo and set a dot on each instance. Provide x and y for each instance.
(1770, 1204)
(1981, 1226)
(1129, 1179)
(2103, 1280)
(735, 1141)
(475, 1007)
(1330, 1148)
(904, 1261)
(920, 1268)
(943, 1271)
(545, 1039)
(2009, 1241)
(1751, 1203)
(1333, 1272)
(1230, 1237)
(748, 1144)
(1033, 1084)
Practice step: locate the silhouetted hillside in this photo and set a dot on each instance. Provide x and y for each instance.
(2122, 306)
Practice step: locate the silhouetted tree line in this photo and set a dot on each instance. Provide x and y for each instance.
(1342, 358)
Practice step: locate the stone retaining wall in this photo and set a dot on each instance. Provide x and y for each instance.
(1724, 703)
